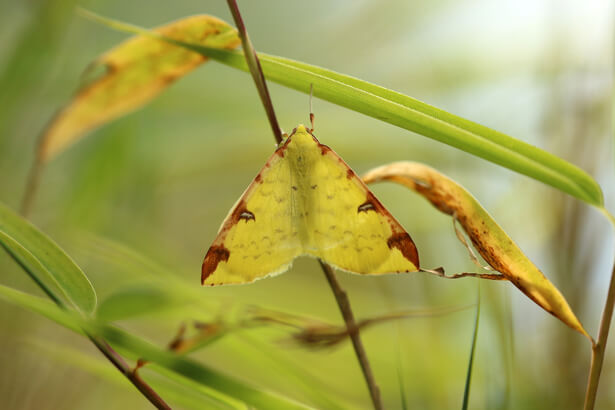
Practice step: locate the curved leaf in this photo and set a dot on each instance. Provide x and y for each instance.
(405, 112)
(135, 72)
(494, 245)
(44, 261)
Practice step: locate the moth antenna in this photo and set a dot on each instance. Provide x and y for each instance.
(311, 112)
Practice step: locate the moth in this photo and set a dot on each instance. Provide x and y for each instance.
(306, 201)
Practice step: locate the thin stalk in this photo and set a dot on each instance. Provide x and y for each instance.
(256, 71)
(599, 347)
(339, 293)
(353, 331)
(127, 371)
(466, 391)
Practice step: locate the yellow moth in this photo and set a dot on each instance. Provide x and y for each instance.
(306, 201)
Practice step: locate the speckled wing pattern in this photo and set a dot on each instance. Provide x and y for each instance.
(307, 201)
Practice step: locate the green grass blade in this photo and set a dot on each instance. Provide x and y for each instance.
(44, 261)
(41, 306)
(413, 115)
(409, 113)
(466, 390)
(137, 348)
(178, 390)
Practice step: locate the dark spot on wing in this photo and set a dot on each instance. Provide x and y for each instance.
(313, 186)
(349, 173)
(258, 178)
(215, 255)
(294, 188)
(372, 203)
(247, 215)
(240, 212)
(365, 206)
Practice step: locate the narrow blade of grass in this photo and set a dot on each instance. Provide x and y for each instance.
(179, 390)
(466, 390)
(406, 112)
(42, 307)
(137, 348)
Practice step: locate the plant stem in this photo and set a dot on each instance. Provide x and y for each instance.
(599, 348)
(340, 294)
(119, 363)
(256, 70)
(353, 331)
(127, 371)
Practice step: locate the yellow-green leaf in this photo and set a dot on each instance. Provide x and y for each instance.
(494, 245)
(136, 71)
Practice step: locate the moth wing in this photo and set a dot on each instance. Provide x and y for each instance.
(257, 238)
(349, 228)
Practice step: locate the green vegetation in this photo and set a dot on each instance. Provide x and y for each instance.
(114, 226)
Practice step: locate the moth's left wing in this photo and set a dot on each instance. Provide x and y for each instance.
(257, 238)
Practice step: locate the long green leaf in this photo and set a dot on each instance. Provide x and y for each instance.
(175, 388)
(136, 347)
(44, 261)
(41, 306)
(409, 113)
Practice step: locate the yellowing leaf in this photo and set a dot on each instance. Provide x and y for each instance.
(487, 236)
(307, 201)
(135, 72)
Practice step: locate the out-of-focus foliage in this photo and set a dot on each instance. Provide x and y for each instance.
(135, 72)
(138, 204)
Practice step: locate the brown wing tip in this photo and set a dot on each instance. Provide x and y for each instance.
(406, 246)
(215, 255)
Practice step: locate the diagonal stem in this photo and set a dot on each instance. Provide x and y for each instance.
(353, 331)
(340, 294)
(131, 375)
(107, 351)
(256, 70)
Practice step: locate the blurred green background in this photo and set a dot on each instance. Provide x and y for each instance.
(138, 202)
